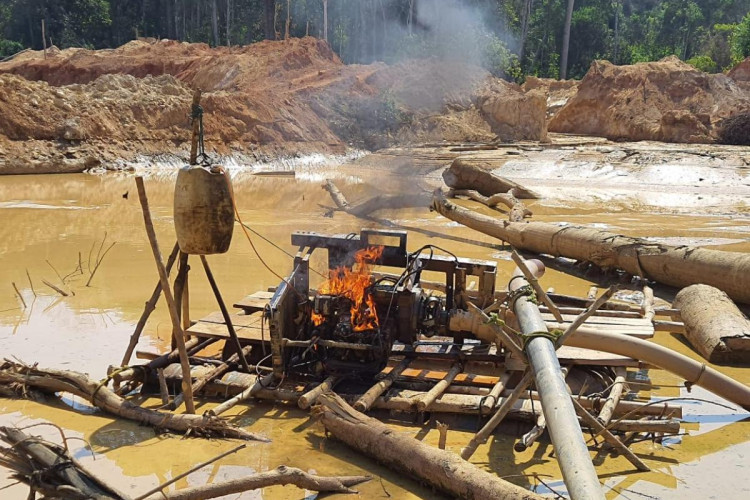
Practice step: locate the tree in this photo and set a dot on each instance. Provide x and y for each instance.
(269, 15)
(566, 41)
(741, 40)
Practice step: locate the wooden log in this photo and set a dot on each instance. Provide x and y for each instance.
(365, 402)
(177, 333)
(255, 390)
(478, 176)
(217, 372)
(648, 303)
(613, 398)
(714, 325)
(103, 398)
(309, 398)
(150, 306)
(676, 266)
(423, 402)
(517, 210)
(282, 475)
(609, 437)
(530, 437)
(493, 397)
(443, 434)
(50, 466)
(531, 279)
(441, 469)
(669, 326)
(481, 436)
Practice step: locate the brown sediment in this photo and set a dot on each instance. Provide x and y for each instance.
(126, 278)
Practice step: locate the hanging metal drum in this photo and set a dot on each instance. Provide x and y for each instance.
(203, 210)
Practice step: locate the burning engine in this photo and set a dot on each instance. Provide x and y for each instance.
(350, 324)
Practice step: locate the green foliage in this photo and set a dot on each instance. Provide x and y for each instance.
(740, 45)
(500, 61)
(711, 34)
(703, 63)
(9, 47)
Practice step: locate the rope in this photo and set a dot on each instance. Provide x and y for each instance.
(202, 158)
(524, 291)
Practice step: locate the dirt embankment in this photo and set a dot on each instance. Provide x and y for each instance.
(667, 100)
(80, 107)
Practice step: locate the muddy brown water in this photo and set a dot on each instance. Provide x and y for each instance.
(51, 223)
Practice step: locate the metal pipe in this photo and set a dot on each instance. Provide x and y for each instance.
(562, 422)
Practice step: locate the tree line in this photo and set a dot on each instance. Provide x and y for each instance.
(510, 38)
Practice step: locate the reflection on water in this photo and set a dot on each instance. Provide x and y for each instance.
(52, 226)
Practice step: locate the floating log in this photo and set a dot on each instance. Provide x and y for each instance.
(714, 325)
(477, 175)
(675, 266)
(78, 384)
(441, 469)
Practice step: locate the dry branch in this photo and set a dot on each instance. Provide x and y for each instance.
(19, 376)
(675, 266)
(441, 469)
(279, 476)
(375, 203)
(478, 176)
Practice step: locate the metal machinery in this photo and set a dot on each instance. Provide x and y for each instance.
(313, 333)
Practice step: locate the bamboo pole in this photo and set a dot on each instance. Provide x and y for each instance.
(177, 333)
(675, 266)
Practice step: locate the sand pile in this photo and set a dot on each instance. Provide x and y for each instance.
(667, 100)
(265, 99)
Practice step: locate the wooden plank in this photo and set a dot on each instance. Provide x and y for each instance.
(578, 356)
(220, 331)
(600, 312)
(255, 301)
(602, 320)
(239, 319)
(643, 332)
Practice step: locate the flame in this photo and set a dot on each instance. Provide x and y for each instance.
(353, 284)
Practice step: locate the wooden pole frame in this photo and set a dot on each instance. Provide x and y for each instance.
(177, 333)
